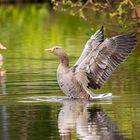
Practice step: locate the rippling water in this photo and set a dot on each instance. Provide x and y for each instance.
(33, 106)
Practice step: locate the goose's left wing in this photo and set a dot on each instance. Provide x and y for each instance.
(102, 60)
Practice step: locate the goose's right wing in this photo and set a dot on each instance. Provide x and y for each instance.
(102, 61)
(94, 41)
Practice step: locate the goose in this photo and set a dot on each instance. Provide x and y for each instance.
(2, 71)
(99, 59)
(1, 57)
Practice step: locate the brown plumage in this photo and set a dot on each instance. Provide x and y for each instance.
(96, 63)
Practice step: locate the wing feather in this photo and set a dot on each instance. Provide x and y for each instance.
(94, 41)
(104, 59)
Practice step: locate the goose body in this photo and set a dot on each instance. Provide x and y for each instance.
(97, 62)
(68, 83)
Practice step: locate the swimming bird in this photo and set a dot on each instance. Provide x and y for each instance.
(2, 71)
(98, 60)
(1, 57)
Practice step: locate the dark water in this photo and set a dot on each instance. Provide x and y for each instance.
(32, 107)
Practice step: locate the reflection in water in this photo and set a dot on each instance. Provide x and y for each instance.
(4, 123)
(3, 109)
(88, 123)
(2, 81)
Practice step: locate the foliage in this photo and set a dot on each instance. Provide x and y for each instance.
(86, 8)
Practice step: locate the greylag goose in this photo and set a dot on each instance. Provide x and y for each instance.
(2, 71)
(97, 62)
(1, 57)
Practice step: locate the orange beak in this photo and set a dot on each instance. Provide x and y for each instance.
(2, 47)
(50, 50)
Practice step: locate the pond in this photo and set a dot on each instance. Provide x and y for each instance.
(32, 107)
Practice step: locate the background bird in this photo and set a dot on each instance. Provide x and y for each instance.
(2, 71)
(1, 57)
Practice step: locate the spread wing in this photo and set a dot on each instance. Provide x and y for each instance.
(102, 60)
(94, 41)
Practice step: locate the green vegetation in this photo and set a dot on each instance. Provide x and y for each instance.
(121, 10)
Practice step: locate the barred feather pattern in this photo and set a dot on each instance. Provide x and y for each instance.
(94, 41)
(103, 60)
